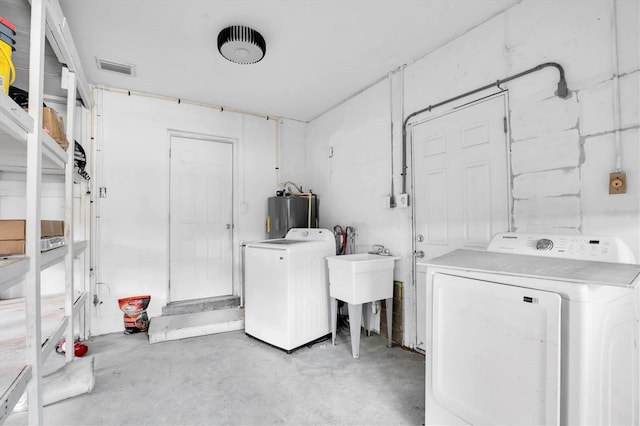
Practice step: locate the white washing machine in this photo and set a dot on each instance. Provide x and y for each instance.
(287, 287)
(536, 330)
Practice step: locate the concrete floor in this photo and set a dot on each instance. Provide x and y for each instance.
(231, 378)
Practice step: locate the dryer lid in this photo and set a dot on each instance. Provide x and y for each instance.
(550, 268)
(283, 242)
(310, 234)
(299, 237)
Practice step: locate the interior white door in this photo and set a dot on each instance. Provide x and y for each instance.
(200, 219)
(460, 184)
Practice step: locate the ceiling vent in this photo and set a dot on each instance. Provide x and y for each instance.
(117, 67)
(242, 45)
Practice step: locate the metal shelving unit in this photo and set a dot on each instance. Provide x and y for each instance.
(26, 148)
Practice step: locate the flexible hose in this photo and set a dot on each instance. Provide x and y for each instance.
(338, 232)
(350, 246)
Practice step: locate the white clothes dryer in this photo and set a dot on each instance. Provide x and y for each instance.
(536, 330)
(287, 288)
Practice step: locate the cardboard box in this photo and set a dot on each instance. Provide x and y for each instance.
(12, 229)
(12, 236)
(51, 228)
(54, 125)
(12, 247)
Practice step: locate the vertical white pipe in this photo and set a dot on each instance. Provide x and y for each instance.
(70, 85)
(97, 162)
(278, 183)
(87, 223)
(616, 84)
(391, 193)
(402, 96)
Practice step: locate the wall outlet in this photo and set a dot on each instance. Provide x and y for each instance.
(617, 183)
(403, 200)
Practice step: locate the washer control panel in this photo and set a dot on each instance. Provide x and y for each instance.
(581, 247)
(310, 234)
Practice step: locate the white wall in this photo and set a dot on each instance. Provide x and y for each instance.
(562, 151)
(132, 136)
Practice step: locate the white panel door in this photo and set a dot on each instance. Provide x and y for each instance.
(200, 219)
(460, 184)
(496, 352)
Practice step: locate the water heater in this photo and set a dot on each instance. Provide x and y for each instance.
(291, 211)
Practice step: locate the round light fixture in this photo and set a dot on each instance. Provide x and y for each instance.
(242, 45)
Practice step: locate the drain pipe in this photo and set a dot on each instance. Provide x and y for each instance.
(392, 199)
(277, 166)
(562, 92)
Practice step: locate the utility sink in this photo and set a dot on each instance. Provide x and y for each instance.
(361, 278)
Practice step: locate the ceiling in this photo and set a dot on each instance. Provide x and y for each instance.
(319, 52)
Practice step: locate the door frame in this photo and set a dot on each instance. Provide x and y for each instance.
(412, 326)
(171, 133)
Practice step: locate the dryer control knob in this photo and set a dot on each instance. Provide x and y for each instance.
(544, 244)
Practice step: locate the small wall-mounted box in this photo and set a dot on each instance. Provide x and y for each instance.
(385, 202)
(617, 183)
(403, 200)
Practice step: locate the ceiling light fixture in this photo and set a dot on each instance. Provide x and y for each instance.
(242, 45)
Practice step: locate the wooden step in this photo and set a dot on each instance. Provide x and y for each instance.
(201, 305)
(183, 326)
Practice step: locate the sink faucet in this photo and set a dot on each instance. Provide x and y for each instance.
(379, 249)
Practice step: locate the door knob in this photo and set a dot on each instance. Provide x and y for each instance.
(418, 253)
(228, 226)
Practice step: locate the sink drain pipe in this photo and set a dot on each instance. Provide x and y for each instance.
(562, 92)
